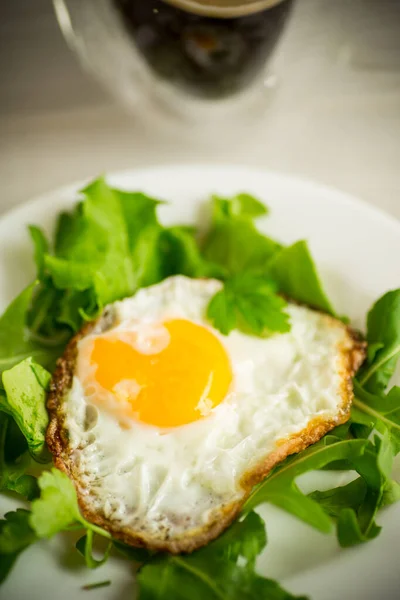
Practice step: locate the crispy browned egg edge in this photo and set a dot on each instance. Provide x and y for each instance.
(352, 353)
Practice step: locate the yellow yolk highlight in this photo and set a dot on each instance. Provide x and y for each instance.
(168, 388)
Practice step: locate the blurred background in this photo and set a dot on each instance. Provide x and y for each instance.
(333, 114)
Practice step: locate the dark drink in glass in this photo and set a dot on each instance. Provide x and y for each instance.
(208, 48)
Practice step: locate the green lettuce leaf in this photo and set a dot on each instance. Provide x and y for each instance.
(181, 254)
(92, 247)
(295, 272)
(41, 247)
(234, 243)
(14, 459)
(26, 386)
(242, 205)
(16, 344)
(250, 304)
(144, 233)
(104, 250)
(236, 246)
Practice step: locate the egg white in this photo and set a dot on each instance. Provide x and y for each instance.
(166, 482)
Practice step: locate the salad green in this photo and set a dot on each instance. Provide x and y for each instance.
(110, 245)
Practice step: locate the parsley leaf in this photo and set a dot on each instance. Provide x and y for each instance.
(57, 508)
(26, 386)
(248, 303)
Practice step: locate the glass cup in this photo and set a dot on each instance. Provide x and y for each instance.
(183, 55)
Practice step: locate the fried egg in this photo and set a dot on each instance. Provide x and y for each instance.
(164, 424)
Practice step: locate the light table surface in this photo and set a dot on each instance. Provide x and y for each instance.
(334, 117)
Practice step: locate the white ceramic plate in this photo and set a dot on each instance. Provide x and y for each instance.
(357, 249)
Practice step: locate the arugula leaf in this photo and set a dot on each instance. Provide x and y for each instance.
(137, 554)
(245, 538)
(279, 487)
(196, 577)
(26, 386)
(357, 525)
(85, 547)
(15, 536)
(383, 336)
(15, 342)
(348, 496)
(355, 505)
(294, 270)
(57, 508)
(350, 532)
(381, 412)
(14, 460)
(250, 304)
(213, 572)
(15, 532)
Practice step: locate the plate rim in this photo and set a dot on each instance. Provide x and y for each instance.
(345, 198)
(329, 195)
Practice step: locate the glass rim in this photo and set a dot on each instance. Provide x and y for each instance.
(224, 8)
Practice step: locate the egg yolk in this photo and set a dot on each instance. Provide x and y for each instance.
(176, 385)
